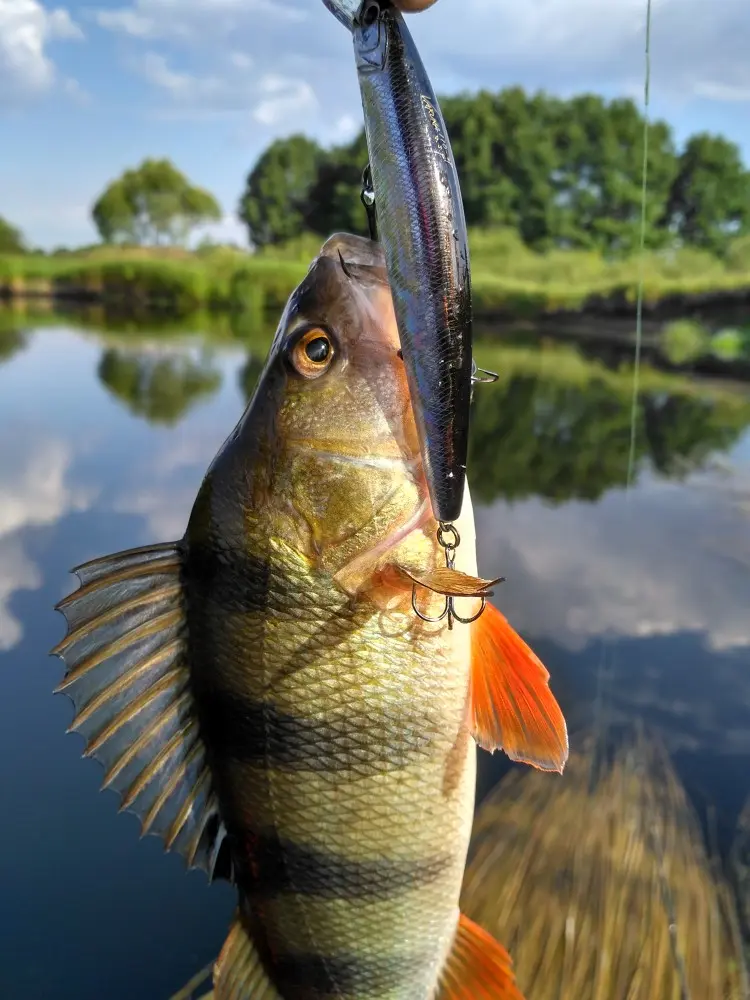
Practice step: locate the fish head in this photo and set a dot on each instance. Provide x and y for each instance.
(329, 442)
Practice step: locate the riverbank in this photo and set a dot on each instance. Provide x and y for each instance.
(508, 279)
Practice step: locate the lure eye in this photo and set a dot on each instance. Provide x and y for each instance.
(313, 353)
(371, 13)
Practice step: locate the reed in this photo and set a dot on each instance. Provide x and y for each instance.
(603, 890)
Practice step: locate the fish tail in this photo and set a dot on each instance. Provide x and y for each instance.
(477, 966)
(239, 972)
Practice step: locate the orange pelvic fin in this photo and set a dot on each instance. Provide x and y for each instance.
(512, 705)
(239, 972)
(477, 966)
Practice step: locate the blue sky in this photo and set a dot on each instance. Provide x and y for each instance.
(90, 88)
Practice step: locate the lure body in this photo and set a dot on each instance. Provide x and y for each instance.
(422, 228)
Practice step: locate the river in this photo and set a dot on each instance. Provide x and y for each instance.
(635, 599)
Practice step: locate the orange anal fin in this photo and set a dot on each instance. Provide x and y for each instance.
(511, 702)
(239, 973)
(477, 966)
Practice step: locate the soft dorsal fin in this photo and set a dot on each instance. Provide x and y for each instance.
(511, 703)
(477, 966)
(127, 675)
(239, 973)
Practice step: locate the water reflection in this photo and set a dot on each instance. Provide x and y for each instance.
(161, 389)
(12, 340)
(637, 603)
(559, 426)
(249, 375)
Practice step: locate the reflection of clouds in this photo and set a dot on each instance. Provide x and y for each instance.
(663, 560)
(17, 572)
(34, 490)
(170, 479)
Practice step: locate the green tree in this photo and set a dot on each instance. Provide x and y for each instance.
(11, 240)
(275, 203)
(599, 175)
(561, 173)
(334, 203)
(710, 198)
(152, 204)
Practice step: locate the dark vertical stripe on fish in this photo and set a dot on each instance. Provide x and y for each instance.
(336, 975)
(344, 741)
(279, 866)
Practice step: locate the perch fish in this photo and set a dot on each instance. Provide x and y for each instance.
(262, 697)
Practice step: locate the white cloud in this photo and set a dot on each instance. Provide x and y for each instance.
(192, 20)
(26, 29)
(34, 490)
(185, 88)
(270, 99)
(283, 98)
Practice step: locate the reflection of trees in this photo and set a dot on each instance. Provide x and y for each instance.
(161, 389)
(249, 373)
(539, 435)
(12, 340)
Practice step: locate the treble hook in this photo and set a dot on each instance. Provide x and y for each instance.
(481, 375)
(449, 611)
(367, 197)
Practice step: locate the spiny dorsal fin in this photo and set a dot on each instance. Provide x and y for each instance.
(511, 702)
(239, 973)
(477, 966)
(127, 675)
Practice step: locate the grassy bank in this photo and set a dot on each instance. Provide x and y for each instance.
(508, 278)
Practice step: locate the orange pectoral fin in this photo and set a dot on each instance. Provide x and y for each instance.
(477, 966)
(512, 705)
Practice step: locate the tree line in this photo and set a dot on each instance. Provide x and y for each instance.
(562, 173)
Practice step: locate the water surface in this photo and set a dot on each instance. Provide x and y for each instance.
(637, 601)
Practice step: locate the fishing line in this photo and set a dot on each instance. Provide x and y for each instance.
(652, 828)
(641, 258)
(599, 707)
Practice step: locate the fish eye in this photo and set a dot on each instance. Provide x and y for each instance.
(311, 355)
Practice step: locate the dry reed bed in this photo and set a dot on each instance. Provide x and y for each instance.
(605, 894)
